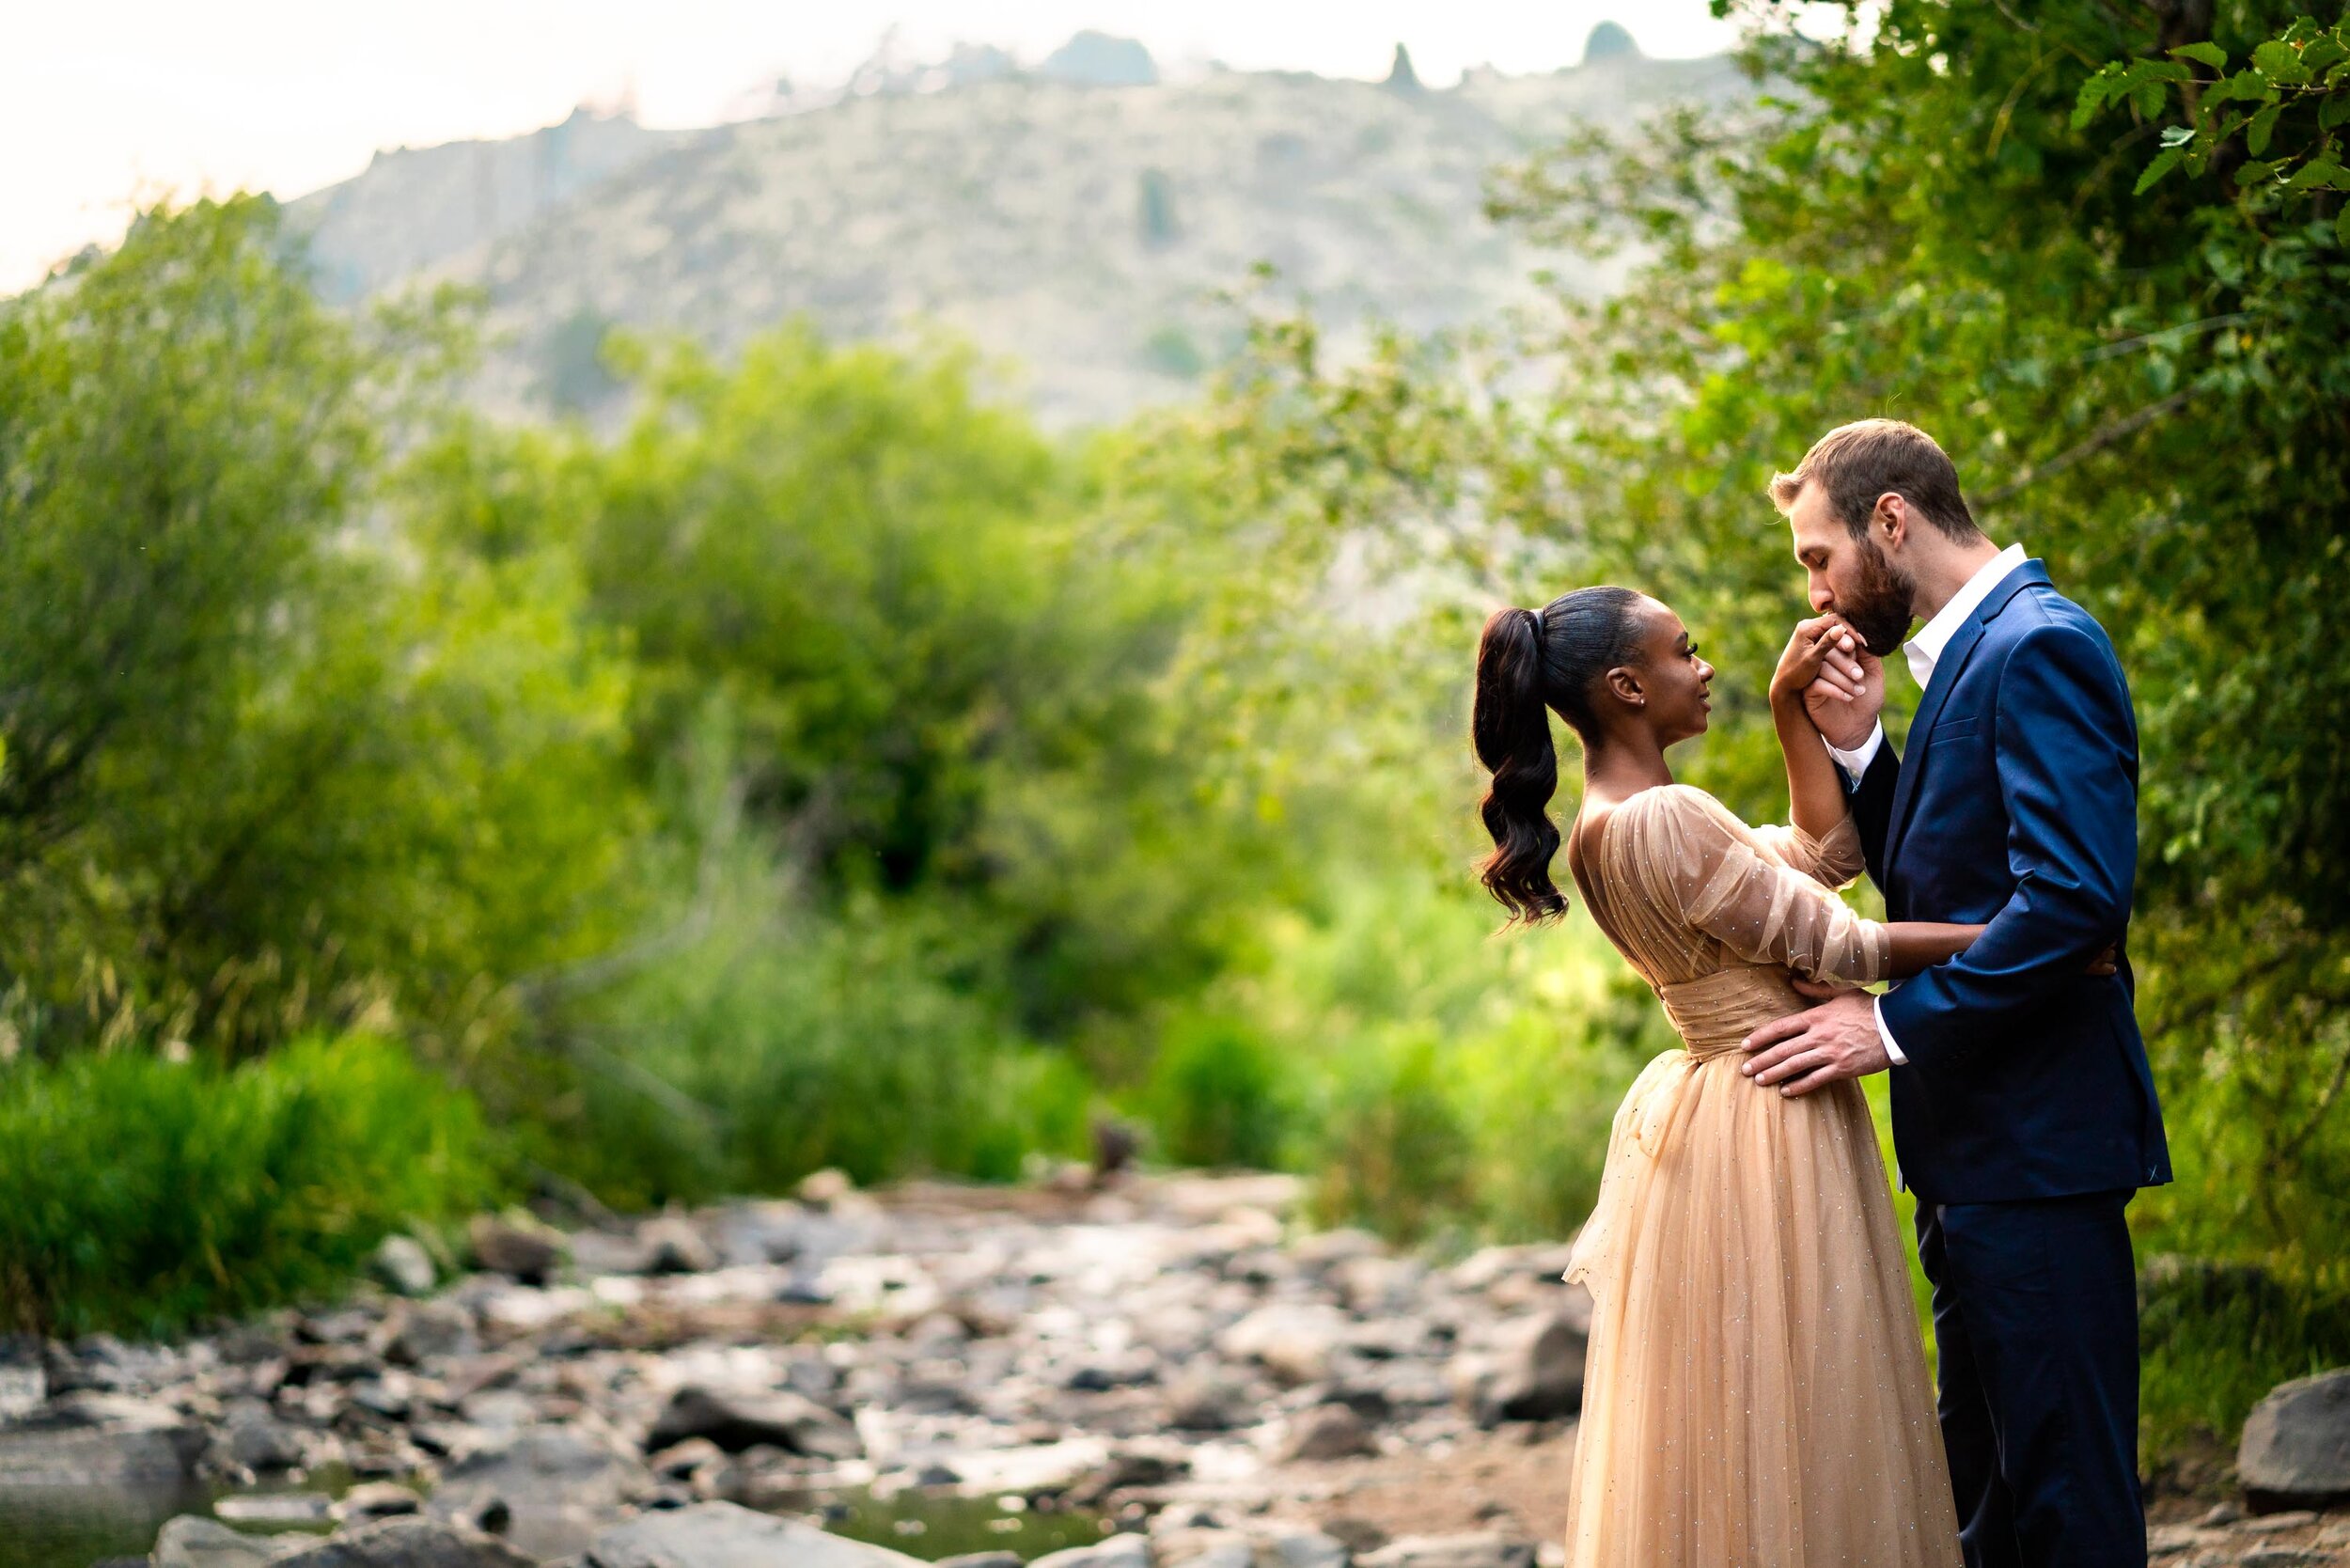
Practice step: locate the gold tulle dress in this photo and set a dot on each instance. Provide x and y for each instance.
(1756, 1394)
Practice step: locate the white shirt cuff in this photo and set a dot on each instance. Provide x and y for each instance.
(1856, 762)
(1887, 1035)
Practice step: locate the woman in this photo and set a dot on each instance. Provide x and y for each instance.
(1756, 1393)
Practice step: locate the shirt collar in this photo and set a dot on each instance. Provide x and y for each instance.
(1926, 647)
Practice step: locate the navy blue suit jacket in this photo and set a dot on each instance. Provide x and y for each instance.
(2017, 807)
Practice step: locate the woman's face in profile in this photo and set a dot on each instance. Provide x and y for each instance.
(1673, 680)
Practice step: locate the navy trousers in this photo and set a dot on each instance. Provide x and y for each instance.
(2035, 1323)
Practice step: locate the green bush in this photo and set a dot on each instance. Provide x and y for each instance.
(789, 1038)
(146, 1196)
(1220, 1093)
(2213, 1337)
(1395, 1153)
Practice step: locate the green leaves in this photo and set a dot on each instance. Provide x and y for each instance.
(2164, 162)
(2300, 78)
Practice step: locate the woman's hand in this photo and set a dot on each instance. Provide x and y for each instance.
(1822, 651)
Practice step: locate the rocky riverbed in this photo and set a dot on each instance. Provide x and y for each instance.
(1153, 1371)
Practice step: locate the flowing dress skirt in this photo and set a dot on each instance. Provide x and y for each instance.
(1757, 1394)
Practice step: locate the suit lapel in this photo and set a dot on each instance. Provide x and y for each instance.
(1947, 670)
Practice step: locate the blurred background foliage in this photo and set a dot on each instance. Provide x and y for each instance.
(829, 768)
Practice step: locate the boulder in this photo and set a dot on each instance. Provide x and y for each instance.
(409, 1543)
(1534, 1373)
(979, 1560)
(1327, 1432)
(404, 1265)
(1204, 1549)
(554, 1487)
(1281, 1544)
(525, 1253)
(736, 1421)
(377, 1500)
(724, 1535)
(94, 1439)
(1475, 1550)
(674, 1245)
(274, 1508)
(253, 1438)
(1123, 1551)
(2296, 1449)
(192, 1540)
(1295, 1342)
(1206, 1400)
(429, 1329)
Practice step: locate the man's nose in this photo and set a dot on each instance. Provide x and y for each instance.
(1821, 598)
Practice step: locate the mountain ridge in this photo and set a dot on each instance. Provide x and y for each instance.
(1081, 230)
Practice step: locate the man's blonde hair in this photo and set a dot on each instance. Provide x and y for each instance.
(1857, 462)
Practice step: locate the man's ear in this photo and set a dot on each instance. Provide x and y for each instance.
(1891, 519)
(1625, 682)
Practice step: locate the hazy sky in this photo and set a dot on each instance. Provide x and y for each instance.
(104, 102)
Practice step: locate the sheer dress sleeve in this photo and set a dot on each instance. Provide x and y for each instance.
(1698, 860)
(1835, 861)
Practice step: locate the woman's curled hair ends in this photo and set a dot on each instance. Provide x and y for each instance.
(1527, 663)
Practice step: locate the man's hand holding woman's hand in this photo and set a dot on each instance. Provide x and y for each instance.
(1832, 673)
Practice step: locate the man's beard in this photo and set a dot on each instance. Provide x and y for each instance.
(1878, 607)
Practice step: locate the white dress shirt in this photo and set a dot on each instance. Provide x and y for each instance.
(1924, 651)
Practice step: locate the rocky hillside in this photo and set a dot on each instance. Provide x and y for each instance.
(1078, 231)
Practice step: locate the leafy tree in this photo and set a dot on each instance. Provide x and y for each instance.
(267, 767)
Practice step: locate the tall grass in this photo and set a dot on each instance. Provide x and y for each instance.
(147, 1196)
(785, 1041)
(1438, 1083)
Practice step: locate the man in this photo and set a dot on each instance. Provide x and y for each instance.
(2024, 1112)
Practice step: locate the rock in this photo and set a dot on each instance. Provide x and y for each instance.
(1286, 1545)
(1357, 1535)
(1327, 1432)
(525, 1253)
(1203, 1548)
(256, 1441)
(2296, 1451)
(430, 1329)
(274, 1508)
(821, 1189)
(409, 1543)
(2276, 1524)
(24, 1376)
(723, 1535)
(2219, 1516)
(2286, 1556)
(94, 1439)
(979, 1560)
(192, 1540)
(735, 1421)
(377, 1500)
(1535, 1374)
(680, 1460)
(552, 1486)
(1206, 1401)
(674, 1245)
(1126, 1467)
(404, 1264)
(1340, 1245)
(1294, 1342)
(1477, 1550)
(595, 1252)
(1123, 1550)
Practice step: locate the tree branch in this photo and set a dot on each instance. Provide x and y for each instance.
(2129, 423)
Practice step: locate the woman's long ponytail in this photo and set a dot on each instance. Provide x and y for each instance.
(1528, 664)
